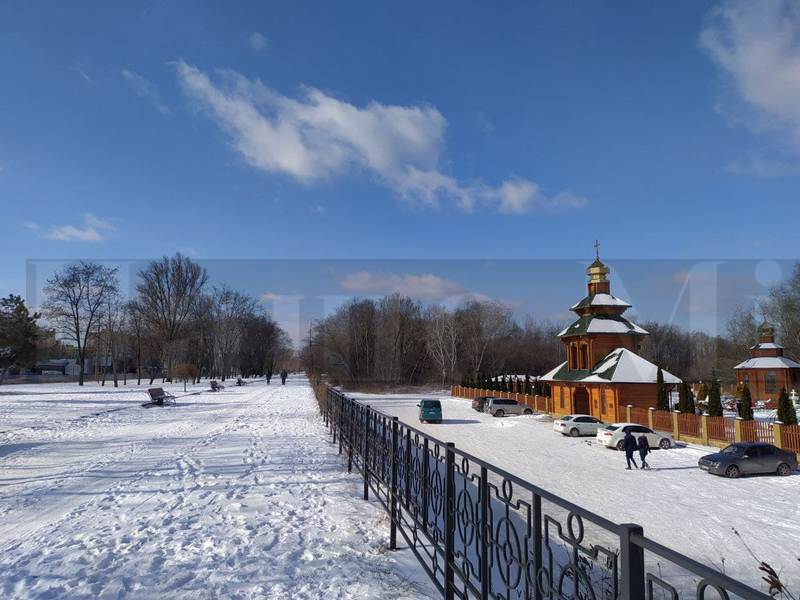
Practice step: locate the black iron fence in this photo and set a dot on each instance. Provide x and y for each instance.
(481, 532)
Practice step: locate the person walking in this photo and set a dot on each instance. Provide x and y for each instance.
(644, 450)
(629, 445)
(284, 375)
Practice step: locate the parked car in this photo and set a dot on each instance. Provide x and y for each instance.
(747, 458)
(430, 411)
(612, 435)
(499, 407)
(479, 403)
(575, 425)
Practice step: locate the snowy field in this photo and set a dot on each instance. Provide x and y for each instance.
(230, 495)
(677, 504)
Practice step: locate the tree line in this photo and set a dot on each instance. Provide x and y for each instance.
(175, 325)
(396, 340)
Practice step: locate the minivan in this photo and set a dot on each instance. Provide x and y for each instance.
(430, 411)
(498, 407)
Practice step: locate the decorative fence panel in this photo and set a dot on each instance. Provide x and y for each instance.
(721, 429)
(640, 416)
(791, 437)
(758, 431)
(481, 532)
(689, 424)
(662, 420)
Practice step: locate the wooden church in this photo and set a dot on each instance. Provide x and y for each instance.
(767, 370)
(603, 372)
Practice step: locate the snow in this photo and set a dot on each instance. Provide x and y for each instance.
(237, 494)
(604, 300)
(600, 325)
(768, 362)
(677, 504)
(767, 346)
(630, 368)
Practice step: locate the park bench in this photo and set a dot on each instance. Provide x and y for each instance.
(159, 396)
(216, 386)
(241, 381)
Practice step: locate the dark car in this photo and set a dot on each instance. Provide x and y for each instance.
(479, 403)
(749, 458)
(430, 411)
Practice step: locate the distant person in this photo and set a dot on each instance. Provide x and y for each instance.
(644, 450)
(284, 375)
(630, 446)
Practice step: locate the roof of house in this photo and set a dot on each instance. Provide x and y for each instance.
(768, 362)
(601, 299)
(766, 346)
(602, 324)
(619, 366)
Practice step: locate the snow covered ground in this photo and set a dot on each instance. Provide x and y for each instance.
(677, 504)
(236, 494)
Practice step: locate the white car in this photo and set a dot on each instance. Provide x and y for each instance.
(611, 436)
(575, 425)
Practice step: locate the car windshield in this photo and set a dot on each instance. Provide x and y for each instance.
(566, 417)
(612, 427)
(431, 404)
(734, 449)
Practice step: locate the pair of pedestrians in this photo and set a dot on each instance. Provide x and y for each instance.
(630, 444)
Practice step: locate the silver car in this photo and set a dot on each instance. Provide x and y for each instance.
(575, 425)
(499, 407)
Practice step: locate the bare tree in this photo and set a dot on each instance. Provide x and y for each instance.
(442, 341)
(167, 292)
(229, 310)
(75, 299)
(480, 325)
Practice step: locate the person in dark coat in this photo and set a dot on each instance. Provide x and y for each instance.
(284, 375)
(630, 446)
(644, 450)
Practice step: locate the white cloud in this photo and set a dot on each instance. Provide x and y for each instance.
(273, 297)
(763, 167)
(423, 287)
(258, 42)
(94, 229)
(757, 45)
(146, 90)
(318, 137)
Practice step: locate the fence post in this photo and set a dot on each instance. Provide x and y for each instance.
(426, 468)
(704, 428)
(628, 413)
(651, 418)
(407, 471)
(393, 499)
(631, 557)
(365, 459)
(676, 434)
(777, 430)
(350, 419)
(327, 405)
(485, 534)
(339, 418)
(449, 520)
(737, 429)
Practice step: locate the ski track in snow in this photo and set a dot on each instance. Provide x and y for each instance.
(234, 495)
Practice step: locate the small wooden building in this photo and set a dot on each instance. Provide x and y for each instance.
(603, 372)
(767, 370)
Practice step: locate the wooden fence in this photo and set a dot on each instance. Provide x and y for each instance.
(700, 429)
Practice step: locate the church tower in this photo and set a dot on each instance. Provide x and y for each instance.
(600, 327)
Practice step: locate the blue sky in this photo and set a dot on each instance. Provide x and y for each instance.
(398, 130)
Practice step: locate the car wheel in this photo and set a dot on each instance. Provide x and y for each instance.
(499, 413)
(732, 472)
(621, 445)
(527, 411)
(784, 469)
(665, 444)
(574, 432)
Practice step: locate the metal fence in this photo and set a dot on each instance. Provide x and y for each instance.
(481, 532)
